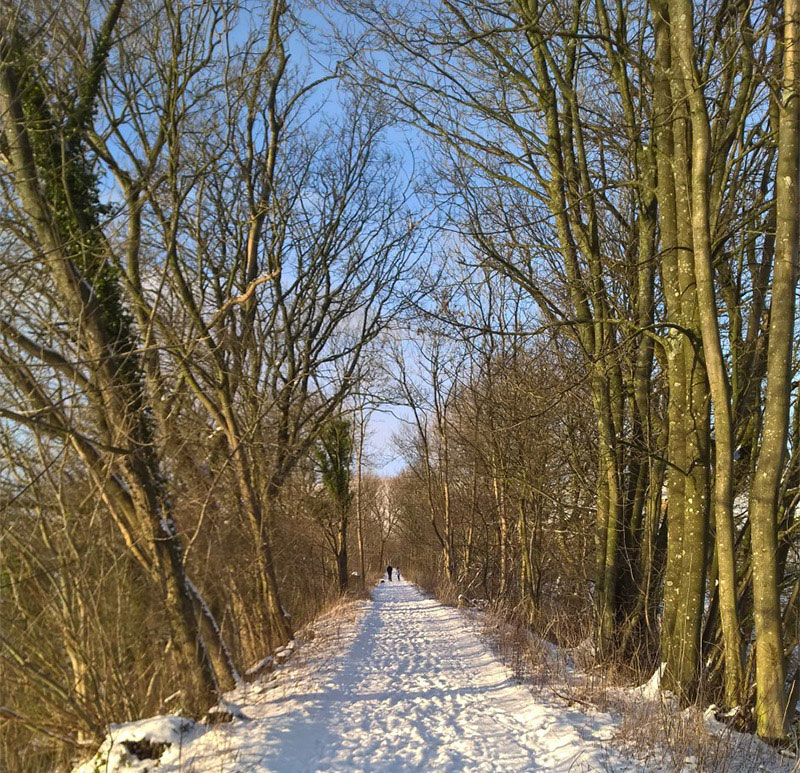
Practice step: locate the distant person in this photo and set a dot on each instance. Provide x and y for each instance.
(397, 572)
(389, 572)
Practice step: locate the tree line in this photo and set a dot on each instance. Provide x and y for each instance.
(196, 271)
(621, 187)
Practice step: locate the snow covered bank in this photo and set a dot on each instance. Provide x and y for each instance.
(186, 746)
(138, 746)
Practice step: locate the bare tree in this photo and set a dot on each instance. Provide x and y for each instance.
(59, 223)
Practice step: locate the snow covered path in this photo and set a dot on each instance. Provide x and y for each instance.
(420, 691)
(406, 685)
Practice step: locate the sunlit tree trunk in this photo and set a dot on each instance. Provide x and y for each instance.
(770, 669)
(716, 370)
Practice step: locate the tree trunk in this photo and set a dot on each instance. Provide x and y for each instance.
(359, 501)
(498, 490)
(716, 371)
(770, 668)
(341, 553)
(663, 131)
(608, 519)
(688, 563)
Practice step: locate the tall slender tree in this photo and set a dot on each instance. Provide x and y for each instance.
(334, 453)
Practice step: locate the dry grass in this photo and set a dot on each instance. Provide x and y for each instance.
(432, 582)
(336, 612)
(655, 732)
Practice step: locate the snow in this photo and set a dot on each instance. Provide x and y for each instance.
(746, 753)
(400, 684)
(404, 683)
(651, 689)
(114, 755)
